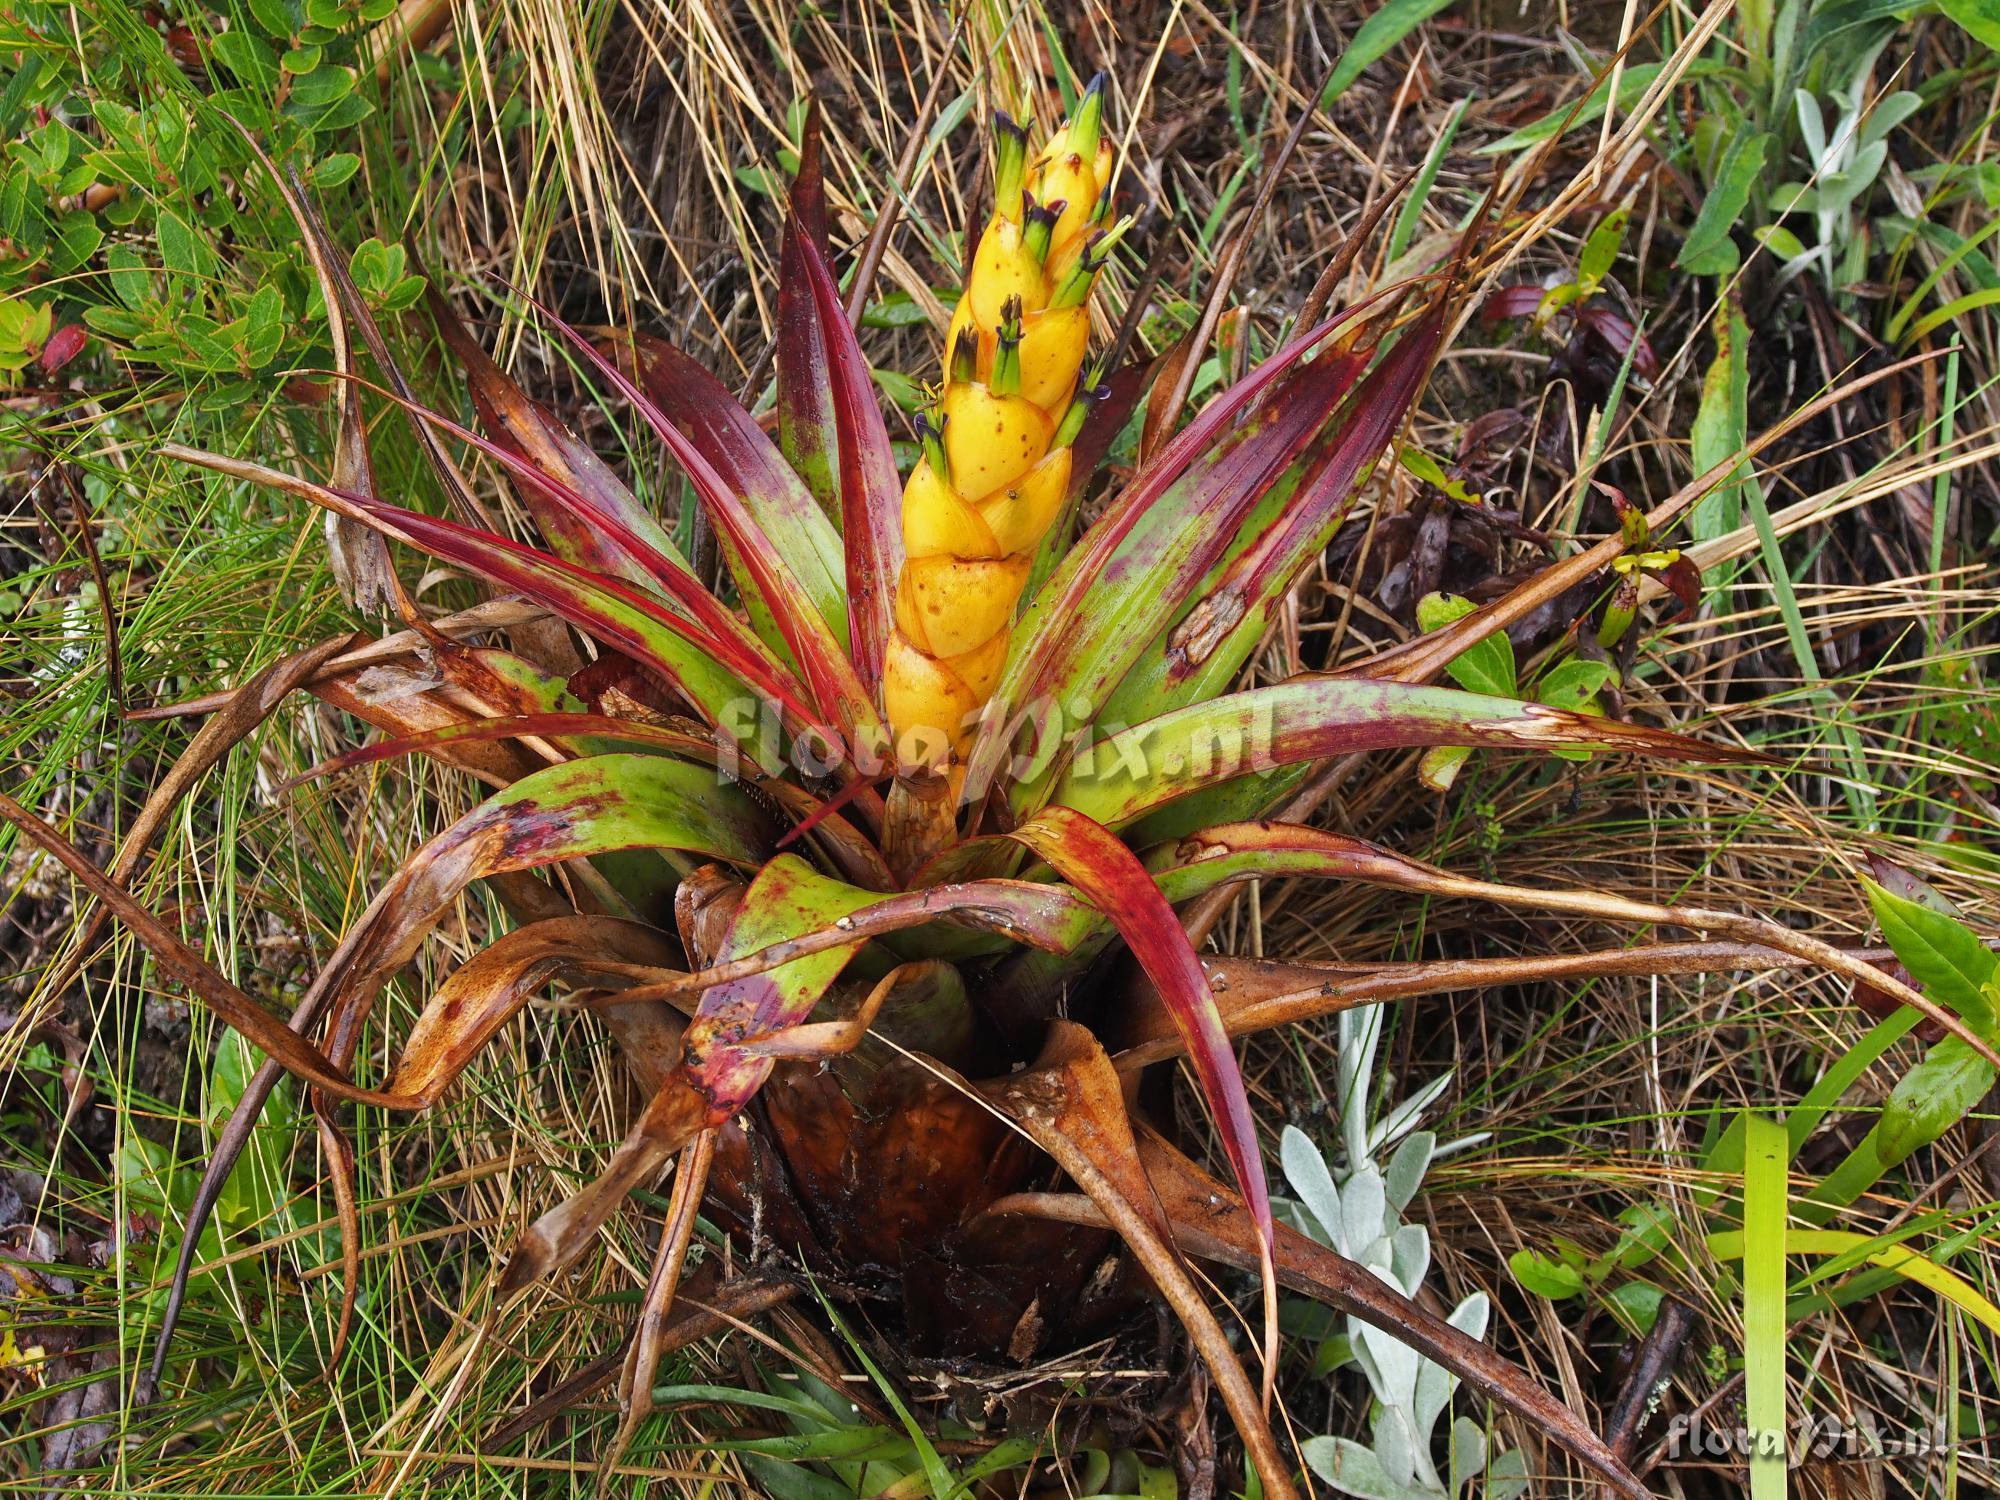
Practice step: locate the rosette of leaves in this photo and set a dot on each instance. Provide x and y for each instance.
(897, 1046)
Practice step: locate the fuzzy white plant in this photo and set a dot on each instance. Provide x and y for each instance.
(1846, 146)
(1360, 1214)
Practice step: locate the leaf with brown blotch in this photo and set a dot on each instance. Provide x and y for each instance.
(830, 423)
(1042, 915)
(1310, 717)
(1071, 1102)
(600, 734)
(488, 989)
(569, 811)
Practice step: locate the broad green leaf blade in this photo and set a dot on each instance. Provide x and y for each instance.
(1767, 1155)
(787, 900)
(1708, 249)
(570, 811)
(1943, 955)
(1395, 20)
(1091, 858)
(1722, 424)
(1129, 774)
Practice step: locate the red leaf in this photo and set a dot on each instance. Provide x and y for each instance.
(1510, 302)
(1684, 578)
(64, 345)
(831, 428)
(1619, 335)
(1090, 857)
(835, 689)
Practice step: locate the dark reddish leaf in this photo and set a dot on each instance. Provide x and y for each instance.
(1090, 857)
(64, 345)
(1510, 302)
(1618, 334)
(830, 424)
(1683, 578)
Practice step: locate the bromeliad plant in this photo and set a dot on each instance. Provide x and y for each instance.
(779, 829)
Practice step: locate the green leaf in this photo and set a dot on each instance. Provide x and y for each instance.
(1721, 423)
(1600, 251)
(1979, 18)
(182, 249)
(1486, 667)
(248, 58)
(1708, 250)
(1943, 956)
(1545, 1276)
(333, 170)
(1381, 31)
(1767, 1155)
(1574, 683)
(1931, 1098)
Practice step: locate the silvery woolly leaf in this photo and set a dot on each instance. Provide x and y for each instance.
(1435, 1383)
(1507, 1475)
(1468, 1453)
(1355, 1470)
(1305, 1169)
(1364, 1210)
(1405, 1172)
(1396, 1445)
(1410, 1257)
(1396, 1363)
(1403, 1118)
(1889, 112)
(1812, 129)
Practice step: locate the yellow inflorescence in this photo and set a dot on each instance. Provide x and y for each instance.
(996, 464)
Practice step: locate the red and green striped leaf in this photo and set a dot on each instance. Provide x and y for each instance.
(830, 424)
(765, 575)
(1129, 774)
(1130, 573)
(533, 435)
(750, 465)
(1237, 604)
(1091, 858)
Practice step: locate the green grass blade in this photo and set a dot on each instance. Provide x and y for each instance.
(1767, 1154)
